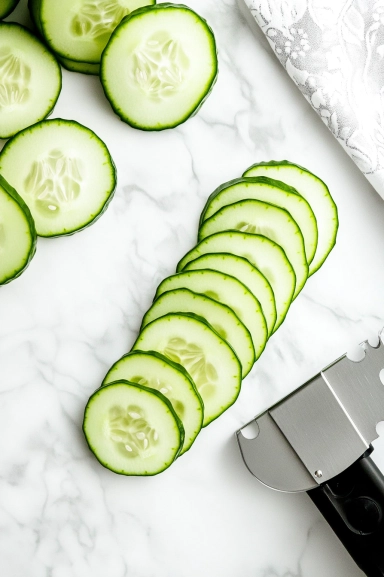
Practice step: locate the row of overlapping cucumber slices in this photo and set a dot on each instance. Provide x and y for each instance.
(260, 237)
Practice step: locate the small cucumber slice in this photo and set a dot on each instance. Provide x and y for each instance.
(80, 29)
(263, 253)
(159, 66)
(271, 191)
(189, 341)
(30, 79)
(246, 273)
(219, 316)
(316, 192)
(261, 218)
(227, 290)
(6, 7)
(82, 67)
(64, 173)
(155, 371)
(132, 429)
(17, 233)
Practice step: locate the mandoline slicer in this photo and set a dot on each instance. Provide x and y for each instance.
(318, 439)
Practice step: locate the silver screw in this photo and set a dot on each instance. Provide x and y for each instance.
(318, 474)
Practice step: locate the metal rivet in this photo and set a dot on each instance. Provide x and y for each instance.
(318, 474)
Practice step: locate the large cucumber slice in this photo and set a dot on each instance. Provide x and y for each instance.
(189, 341)
(227, 290)
(261, 218)
(64, 173)
(155, 371)
(271, 191)
(17, 233)
(316, 192)
(131, 429)
(219, 316)
(30, 79)
(6, 7)
(159, 66)
(80, 29)
(263, 253)
(246, 273)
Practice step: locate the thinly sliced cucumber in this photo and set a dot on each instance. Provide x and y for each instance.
(80, 29)
(261, 218)
(189, 341)
(6, 7)
(246, 273)
(155, 371)
(219, 316)
(82, 67)
(132, 429)
(159, 66)
(316, 192)
(64, 173)
(17, 233)
(67, 63)
(263, 253)
(30, 79)
(226, 290)
(271, 191)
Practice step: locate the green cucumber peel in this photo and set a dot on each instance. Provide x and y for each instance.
(8, 189)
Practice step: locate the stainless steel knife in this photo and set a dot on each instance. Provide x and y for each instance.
(319, 439)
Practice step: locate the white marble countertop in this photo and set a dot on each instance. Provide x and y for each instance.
(78, 308)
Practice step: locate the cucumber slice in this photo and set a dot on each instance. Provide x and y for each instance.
(6, 7)
(261, 218)
(82, 67)
(64, 173)
(219, 316)
(246, 273)
(263, 253)
(131, 429)
(30, 79)
(227, 290)
(80, 29)
(271, 191)
(155, 371)
(67, 63)
(17, 234)
(159, 66)
(316, 192)
(189, 341)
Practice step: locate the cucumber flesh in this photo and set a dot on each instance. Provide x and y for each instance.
(167, 70)
(227, 290)
(261, 218)
(30, 79)
(80, 29)
(132, 429)
(246, 273)
(189, 341)
(219, 316)
(6, 7)
(315, 192)
(263, 253)
(17, 234)
(271, 191)
(155, 371)
(64, 173)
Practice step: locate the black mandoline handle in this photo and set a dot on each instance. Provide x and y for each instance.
(353, 505)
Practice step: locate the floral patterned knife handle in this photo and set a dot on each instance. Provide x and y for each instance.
(334, 52)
